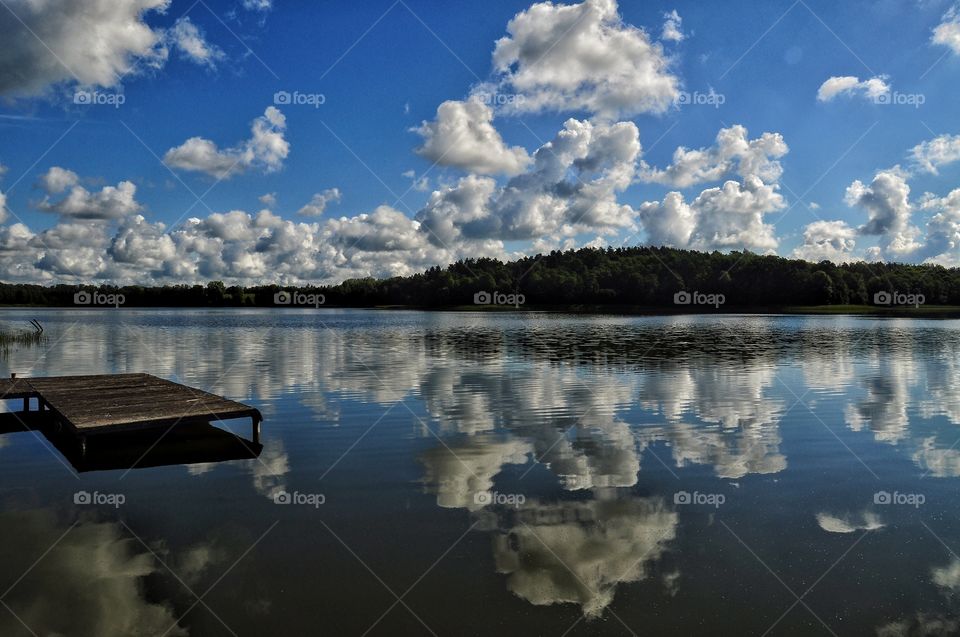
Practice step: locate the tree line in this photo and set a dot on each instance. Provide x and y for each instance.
(636, 276)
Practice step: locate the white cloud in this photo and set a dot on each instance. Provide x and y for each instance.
(872, 89)
(421, 184)
(93, 43)
(582, 57)
(930, 155)
(268, 199)
(319, 202)
(827, 241)
(733, 154)
(849, 522)
(3, 207)
(186, 37)
(58, 179)
(257, 5)
(142, 244)
(668, 223)
(463, 136)
(571, 188)
(943, 230)
(729, 217)
(265, 150)
(886, 201)
(110, 202)
(947, 33)
(71, 249)
(672, 27)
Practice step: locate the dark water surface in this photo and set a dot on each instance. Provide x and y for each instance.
(508, 474)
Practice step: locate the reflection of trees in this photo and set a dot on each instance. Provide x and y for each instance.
(578, 552)
(90, 583)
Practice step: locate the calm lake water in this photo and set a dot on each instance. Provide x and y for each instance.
(500, 474)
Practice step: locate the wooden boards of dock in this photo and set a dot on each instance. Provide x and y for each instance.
(112, 403)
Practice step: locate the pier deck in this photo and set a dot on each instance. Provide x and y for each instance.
(117, 402)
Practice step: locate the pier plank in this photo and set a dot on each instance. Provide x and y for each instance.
(112, 402)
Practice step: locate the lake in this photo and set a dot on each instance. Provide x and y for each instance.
(501, 474)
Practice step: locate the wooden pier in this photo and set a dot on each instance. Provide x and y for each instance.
(113, 403)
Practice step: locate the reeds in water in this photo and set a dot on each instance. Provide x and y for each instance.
(11, 339)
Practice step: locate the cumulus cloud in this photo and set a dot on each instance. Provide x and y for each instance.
(265, 150)
(672, 27)
(930, 155)
(849, 522)
(571, 187)
(268, 199)
(93, 43)
(827, 241)
(110, 202)
(582, 57)
(726, 217)
(886, 202)
(233, 246)
(734, 153)
(947, 33)
(729, 217)
(670, 222)
(942, 243)
(145, 245)
(463, 135)
(319, 202)
(58, 179)
(872, 89)
(187, 38)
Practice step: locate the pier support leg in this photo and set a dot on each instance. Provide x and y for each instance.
(26, 404)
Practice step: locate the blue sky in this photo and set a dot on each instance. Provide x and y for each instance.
(811, 166)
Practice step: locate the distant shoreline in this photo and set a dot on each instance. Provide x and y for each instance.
(924, 311)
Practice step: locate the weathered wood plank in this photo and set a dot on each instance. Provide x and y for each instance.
(117, 401)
